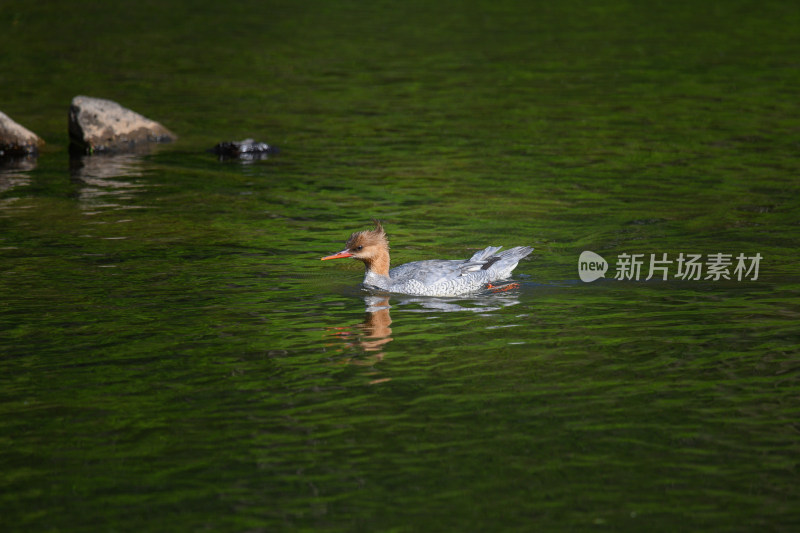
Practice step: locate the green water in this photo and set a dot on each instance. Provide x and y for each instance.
(175, 357)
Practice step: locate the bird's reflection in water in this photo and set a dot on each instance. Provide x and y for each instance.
(482, 302)
(369, 336)
(376, 324)
(372, 336)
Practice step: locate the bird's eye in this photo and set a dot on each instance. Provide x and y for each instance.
(358, 248)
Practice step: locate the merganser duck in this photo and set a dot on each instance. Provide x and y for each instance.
(434, 277)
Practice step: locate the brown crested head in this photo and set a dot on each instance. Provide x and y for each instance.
(370, 246)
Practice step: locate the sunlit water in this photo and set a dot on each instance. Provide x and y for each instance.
(176, 357)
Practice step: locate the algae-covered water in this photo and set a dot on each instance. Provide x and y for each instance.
(175, 357)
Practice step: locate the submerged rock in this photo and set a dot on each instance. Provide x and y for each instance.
(247, 149)
(98, 125)
(16, 140)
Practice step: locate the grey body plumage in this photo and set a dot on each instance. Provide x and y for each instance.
(443, 277)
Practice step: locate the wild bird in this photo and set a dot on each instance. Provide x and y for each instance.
(434, 277)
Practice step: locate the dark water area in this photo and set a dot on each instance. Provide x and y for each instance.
(175, 357)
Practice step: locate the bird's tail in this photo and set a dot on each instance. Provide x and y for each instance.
(512, 255)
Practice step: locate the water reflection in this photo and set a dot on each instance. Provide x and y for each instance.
(371, 336)
(368, 337)
(13, 172)
(375, 328)
(483, 302)
(104, 180)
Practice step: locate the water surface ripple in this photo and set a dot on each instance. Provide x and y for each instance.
(174, 356)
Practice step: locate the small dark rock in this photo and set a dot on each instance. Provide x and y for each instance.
(247, 149)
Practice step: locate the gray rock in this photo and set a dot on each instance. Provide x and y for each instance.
(16, 140)
(98, 125)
